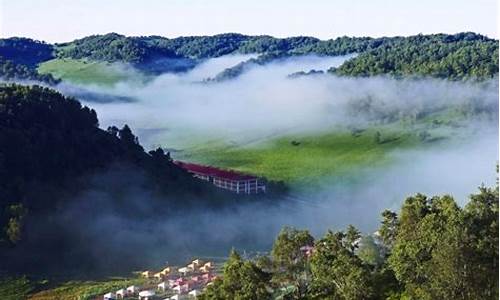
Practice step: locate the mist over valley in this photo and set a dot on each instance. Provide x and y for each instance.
(237, 123)
(285, 164)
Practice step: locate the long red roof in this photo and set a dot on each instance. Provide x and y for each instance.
(213, 171)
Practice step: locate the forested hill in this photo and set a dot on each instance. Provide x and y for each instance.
(52, 153)
(19, 58)
(455, 56)
(115, 47)
(25, 51)
(11, 71)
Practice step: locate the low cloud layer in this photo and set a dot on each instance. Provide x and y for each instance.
(263, 101)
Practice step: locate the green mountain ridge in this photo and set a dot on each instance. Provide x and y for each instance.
(457, 56)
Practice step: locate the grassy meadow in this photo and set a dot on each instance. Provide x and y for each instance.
(305, 159)
(82, 71)
(23, 288)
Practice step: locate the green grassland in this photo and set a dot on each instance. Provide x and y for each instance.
(22, 288)
(82, 71)
(305, 158)
(16, 288)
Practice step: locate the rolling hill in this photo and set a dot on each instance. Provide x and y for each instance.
(463, 55)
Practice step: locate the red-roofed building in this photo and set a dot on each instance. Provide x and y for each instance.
(226, 179)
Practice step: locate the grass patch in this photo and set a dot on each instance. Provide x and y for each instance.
(15, 288)
(304, 159)
(307, 158)
(90, 72)
(22, 288)
(83, 290)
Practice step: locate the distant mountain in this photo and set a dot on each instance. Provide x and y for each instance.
(460, 56)
(440, 55)
(25, 51)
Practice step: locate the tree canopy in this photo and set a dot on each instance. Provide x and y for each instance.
(25, 51)
(11, 71)
(431, 249)
(460, 56)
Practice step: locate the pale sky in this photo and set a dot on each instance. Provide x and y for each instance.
(65, 20)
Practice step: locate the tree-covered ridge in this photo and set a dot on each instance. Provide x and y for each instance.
(25, 51)
(237, 70)
(19, 58)
(432, 249)
(459, 56)
(114, 47)
(202, 46)
(10, 71)
(51, 148)
(36, 122)
(266, 44)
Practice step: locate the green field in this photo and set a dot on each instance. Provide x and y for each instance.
(16, 288)
(90, 72)
(304, 159)
(22, 288)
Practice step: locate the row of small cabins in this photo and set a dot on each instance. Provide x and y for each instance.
(230, 180)
(182, 283)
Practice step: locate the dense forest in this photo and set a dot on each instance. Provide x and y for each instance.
(52, 150)
(114, 47)
(453, 57)
(11, 71)
(431, 249)
(25, 51)
(458, 56)
(19, 58)
(439, 55)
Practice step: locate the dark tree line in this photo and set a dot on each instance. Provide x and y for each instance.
(25, 51)
(458, 56)
(431, 249)
(10, 71)
(455, 57)
(19, 58)
(237, 70)
(115, 47)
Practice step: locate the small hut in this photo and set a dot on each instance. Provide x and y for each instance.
(132, 290)
(147, 274)
(146, 295)
(159, 276)
(163, 286)
(121, 293)
(194, 293)
(185, 270)
(109, 296)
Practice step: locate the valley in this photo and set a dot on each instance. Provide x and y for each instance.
(341, 130)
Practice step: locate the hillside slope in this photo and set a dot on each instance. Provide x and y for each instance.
(460, 56)
(55, 161)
